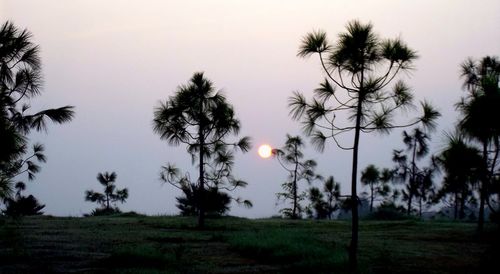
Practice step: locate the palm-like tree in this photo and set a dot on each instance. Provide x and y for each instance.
(20, 82)
(331, 188)
(417, 144)
(201, 118)
(463, 166)
(110, 195)
(372, 177)
(324, 204)
(482, 102)
(363, 66)
(291, 159)
(219, 181)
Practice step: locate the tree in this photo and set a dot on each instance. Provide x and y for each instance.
(219, 179)
(322, 207)
(290, 158)
(111, 194)
(331, 188)
(20, 82)
(200, 118)
(216, 202)
(426, 188)
(478, 107)
(417, 145)
(460, 175)
(372, 177)
(22, 205)
(363, 66)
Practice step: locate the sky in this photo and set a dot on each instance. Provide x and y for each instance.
(115, 60)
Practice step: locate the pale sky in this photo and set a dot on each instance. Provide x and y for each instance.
(114, 60)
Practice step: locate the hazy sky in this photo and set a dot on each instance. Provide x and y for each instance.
(114, 60)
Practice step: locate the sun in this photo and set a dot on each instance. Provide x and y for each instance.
(265, 151)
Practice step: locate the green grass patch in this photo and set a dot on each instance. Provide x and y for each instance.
(297, 248)
(168, 244)
(144, 258)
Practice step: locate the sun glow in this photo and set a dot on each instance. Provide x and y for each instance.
(265, 151)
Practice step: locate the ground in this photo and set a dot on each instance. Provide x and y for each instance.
(132, 243)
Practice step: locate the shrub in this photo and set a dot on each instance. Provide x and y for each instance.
(22, 206)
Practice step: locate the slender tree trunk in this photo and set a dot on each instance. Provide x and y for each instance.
(371, 198)
(201, 189)
(483, 191)
(294, 190)
(462, 206)
(353, 249)
(107, 201)
(412, 178)
(420, 207)
(410, 196)
(455, 215)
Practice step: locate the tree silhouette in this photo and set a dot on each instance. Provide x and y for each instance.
(371, 176)
(363, 66)
(111, 194)
(417, 145)
(478, 107)
(462, 165)
(290, 158)
(219, 179)
(20, 82)
(200, 118)
(21, 205)
(324, 204)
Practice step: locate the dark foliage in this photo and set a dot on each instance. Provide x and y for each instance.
(388, 212)
(216, 202)
(111, 194)
(22, 206)
(20, 81)
(201, 118)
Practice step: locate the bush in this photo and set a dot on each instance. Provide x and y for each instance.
(388, 212)
(216, 202)
(22, 206)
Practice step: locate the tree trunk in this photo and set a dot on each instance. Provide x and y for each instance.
(371, 198)
(482, 191)
(408, 211)
(412, 178)
(455, 215)
(420, 207)
(353, 249)
(294, 190)
(462, 206)
(201, 188)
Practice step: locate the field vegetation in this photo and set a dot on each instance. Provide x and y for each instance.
(132, 243)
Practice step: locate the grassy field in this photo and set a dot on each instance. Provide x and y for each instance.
(140, 244)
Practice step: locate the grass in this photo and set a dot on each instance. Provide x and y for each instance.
(132, 243)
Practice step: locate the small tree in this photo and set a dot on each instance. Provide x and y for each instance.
(22, 205)
(200, 118)
(462, 165)
(219, 181)
(416, 178)
(363, 66)
(111, 194)
(324, 204)
(290, 158)
(372, 177)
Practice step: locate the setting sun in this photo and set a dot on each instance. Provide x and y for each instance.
(265, 151)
